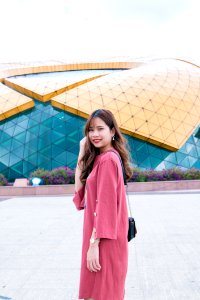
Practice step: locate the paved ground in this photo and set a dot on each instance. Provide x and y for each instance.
(40, 242)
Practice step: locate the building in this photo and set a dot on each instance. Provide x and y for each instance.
(44, 106)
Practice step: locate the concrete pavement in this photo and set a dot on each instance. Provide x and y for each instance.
(40, 248)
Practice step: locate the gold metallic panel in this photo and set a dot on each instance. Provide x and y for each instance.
(8, 70)
(43, 88)
(150, 102)
(12, 102)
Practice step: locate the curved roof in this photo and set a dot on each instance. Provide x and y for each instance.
(157, 100)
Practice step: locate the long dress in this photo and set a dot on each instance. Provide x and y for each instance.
(103, 199)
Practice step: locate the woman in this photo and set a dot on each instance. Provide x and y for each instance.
(100, 191)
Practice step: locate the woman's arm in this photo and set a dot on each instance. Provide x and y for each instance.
(78, 183)
(93, 264)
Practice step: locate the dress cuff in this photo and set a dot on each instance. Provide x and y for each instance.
(78, 198)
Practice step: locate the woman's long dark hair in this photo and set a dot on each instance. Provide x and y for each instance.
(119, 143)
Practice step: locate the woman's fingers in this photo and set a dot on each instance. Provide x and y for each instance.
(97, 265)
(93, 265)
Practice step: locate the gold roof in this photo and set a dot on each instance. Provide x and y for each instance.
(12, 102)
(157, 101)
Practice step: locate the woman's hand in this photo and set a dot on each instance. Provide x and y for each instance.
(82, 142)
(82, 148)
(93, 258)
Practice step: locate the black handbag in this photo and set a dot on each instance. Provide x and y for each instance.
(132, 230)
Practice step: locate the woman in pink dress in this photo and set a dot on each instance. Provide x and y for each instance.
(100, 191)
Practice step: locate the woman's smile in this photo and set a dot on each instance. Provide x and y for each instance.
(96, 141)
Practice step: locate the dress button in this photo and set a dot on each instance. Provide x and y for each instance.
(95, 214)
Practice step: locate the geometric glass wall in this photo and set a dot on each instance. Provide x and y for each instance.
(46, 137)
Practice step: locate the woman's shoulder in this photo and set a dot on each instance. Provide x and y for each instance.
(109, 156)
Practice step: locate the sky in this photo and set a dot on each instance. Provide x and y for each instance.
(33, 30)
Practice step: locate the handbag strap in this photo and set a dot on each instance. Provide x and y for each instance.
(125, 180)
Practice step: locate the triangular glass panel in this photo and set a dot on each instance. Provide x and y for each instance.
(18, 167)
(2, 167)
(4, 136)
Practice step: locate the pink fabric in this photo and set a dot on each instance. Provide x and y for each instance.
(104, 196)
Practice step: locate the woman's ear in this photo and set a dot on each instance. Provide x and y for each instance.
(113, 131)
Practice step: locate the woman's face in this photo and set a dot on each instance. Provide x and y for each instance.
(100, 134)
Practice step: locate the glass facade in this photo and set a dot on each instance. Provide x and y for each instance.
(46, 137)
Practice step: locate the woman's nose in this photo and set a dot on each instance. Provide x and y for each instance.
(95, 133)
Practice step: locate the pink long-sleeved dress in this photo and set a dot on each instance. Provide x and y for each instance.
(103, 199)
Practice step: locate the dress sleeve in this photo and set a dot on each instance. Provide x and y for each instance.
(78, 198)
(105, 216)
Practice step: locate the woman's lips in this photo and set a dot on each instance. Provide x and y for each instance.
(96, 141)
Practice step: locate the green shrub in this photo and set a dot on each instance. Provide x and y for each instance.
(64, 175)
(39, 173)
(3, 180)
(61, 175)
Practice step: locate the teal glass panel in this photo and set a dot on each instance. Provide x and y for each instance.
(11, 174)
(4, 136)
(31, 123)
(24, 124)
(45, 117)
(61, 158)
(27, 168)
(33, 144)
(193, 152)
(185, 163)
(55, 164)
(180, 156)
(189, 147)
(47, 151)
(2, 167)
(14, 159)
(71, 157)
(7, 144)
(30, 136)
(141, 157)
(21, 117)
(33, 159)
(56, 150)
(21, 137)
(18, 130)
(191, 140)
(15, 144)
(19, 152)
(36, 116)
(169, 165)
(18, 167)
(198, 151)
(56, 136)
(192, 161)
(172, 158)
(34, 130)
(42, 129)
(10, 130)
(75, 150)
(197, 164)
(48, 123)
(146, 163)
(3, 151)
(5, 124)
(62, 143)
(154, 161)
(28, 151)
